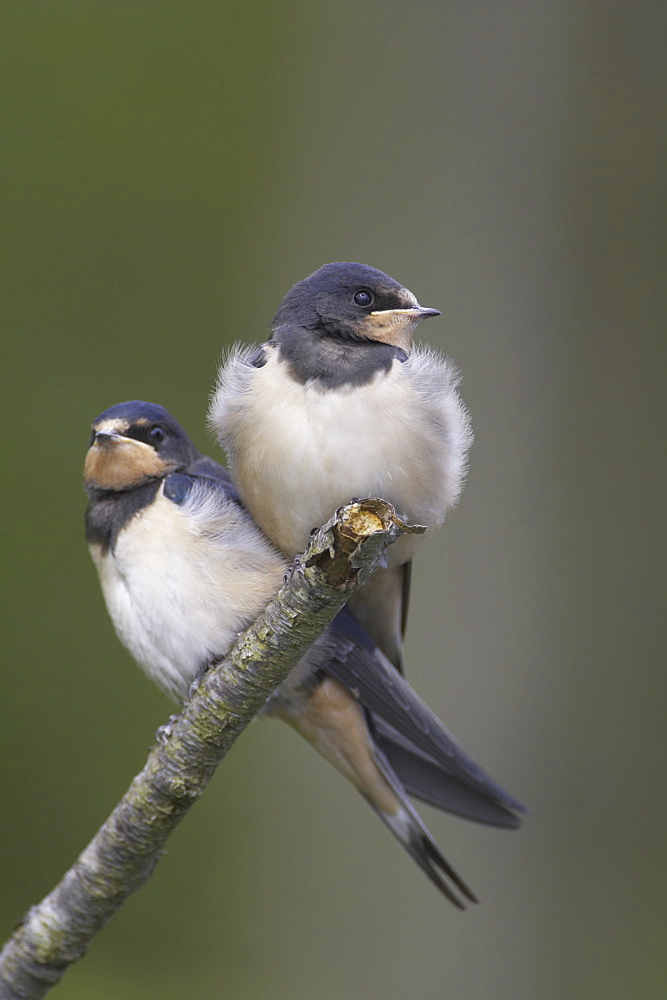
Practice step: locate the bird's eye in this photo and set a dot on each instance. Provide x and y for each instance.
(157, 434)
(362, 297)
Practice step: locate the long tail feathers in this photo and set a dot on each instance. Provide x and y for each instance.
(412, 834)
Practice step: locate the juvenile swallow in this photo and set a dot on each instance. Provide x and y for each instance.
(184, 568)
(339, 404)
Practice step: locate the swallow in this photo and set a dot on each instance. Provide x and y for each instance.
(338, 404)
(184, 568)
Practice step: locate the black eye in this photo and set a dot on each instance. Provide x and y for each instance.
(157, 434)
(362, 297)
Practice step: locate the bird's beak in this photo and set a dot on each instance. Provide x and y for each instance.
(418, 313)
(105, 438)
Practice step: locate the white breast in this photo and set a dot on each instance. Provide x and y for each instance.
(182, 582)
(298, 452)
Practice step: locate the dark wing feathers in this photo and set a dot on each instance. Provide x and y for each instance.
(177, 485)
(408, 730)
(405, 595)
(426, 779)
(420, 844)
(206, 467)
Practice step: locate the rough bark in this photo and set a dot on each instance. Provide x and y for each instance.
(122, 855)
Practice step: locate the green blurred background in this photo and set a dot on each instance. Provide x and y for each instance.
(169, 170)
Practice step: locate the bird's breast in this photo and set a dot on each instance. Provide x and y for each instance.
(298, 452)
(179, 589)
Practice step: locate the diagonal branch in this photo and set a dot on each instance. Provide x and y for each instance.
(123, 853)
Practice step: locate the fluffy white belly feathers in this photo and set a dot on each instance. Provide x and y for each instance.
(177, 605)
(403, 437)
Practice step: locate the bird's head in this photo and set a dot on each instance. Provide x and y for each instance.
(353, 302)
(134, 442)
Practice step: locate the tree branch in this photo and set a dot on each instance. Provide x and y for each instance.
(124, 852)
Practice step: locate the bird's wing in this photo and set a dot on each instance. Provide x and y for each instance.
(206, 467)
(334, 722)
(426, 779)
(416, 743)
(381, 608)
(178, 486)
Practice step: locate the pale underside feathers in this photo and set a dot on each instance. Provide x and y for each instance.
(339, 404)
(404, 437)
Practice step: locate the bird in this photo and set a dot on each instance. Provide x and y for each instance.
(184, 568)
(338, 404)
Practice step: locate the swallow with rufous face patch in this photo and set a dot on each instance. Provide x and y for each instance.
(184, 568)
(339, 404)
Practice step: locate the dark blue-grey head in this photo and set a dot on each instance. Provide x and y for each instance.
(134, 442)
(353, 302)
